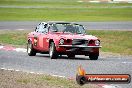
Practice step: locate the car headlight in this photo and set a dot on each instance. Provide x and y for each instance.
(61, 41)
(97, 42)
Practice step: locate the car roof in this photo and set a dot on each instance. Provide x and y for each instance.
(60, 22)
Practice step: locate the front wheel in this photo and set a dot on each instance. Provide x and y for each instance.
(30, 50)
(93, 57)
(52, 51)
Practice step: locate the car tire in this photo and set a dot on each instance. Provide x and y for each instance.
(93, 57)
(52, 51)
(71, 55)
(30, 50)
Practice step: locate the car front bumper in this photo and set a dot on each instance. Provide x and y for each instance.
(79, 46)
(78, 49)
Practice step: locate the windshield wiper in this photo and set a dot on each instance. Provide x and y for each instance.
(54, 30)
(79, 33)
(67, 32)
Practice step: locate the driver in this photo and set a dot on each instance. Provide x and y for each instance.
(69, 28)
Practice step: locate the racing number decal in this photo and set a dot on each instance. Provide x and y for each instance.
(47, 39)
(35, 41)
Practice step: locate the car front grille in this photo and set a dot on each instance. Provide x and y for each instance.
(79, 42)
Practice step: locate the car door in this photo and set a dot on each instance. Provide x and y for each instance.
(46, 38)
(42, 37)
(35, 36)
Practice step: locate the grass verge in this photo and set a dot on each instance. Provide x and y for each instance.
(115, 41)
(67, 14)
(12, 79)
(63, 10)
(13, 37)
(112, 41)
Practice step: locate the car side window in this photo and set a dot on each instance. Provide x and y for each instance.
(45, 28)
(42, 28)
(37, 28)
(53, 28)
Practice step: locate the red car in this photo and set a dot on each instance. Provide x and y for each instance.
(62, 38)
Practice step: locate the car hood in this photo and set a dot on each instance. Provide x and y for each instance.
(77, 36)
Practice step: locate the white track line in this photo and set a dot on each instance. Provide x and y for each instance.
(24, 50)
(2, 68)
(58, 76)
(20, 50)
(102, 85)
(20, 29)
(79, 1)
(127, 62)
(31, 72)
(94, 1)
(15, 49)
(111, 86)
(1, 47)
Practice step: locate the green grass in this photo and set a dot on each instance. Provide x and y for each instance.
(51, 81)
(58, 3)
(63, 10)
(111, 41)
(115, 41)
(13, 37)
(28, 80)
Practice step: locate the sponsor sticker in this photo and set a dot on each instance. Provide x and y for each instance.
(83, 78)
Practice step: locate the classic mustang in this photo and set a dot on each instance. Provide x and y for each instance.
(62, 38)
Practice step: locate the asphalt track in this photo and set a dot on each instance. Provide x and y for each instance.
(25, 25)
(18, 59)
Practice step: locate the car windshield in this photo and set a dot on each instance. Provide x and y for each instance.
(68, 28)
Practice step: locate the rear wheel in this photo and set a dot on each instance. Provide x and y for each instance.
(30, 50)
(52, 51)
(93, 57)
